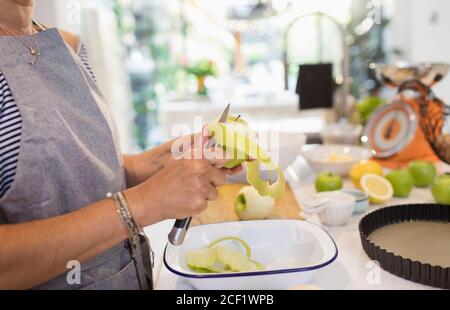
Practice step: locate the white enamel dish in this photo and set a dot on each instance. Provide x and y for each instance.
(291, 251)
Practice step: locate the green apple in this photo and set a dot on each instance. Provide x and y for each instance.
(402, 182)
(328, 182)
(441, 189)
(238, 157)
(250, 205)
(368, 106)
(423, 172)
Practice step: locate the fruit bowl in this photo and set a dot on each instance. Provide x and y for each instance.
(291, 251)
(337, 159)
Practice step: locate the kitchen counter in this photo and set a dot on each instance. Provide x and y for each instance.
(352, 269)
(282, 108)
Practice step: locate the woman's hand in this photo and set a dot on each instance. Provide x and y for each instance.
(181, 189)
(141, 167)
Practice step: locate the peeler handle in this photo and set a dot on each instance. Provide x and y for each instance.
(178, 232)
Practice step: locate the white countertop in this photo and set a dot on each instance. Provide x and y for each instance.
(352, 269)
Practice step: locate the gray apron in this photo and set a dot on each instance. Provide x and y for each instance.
(68, 155)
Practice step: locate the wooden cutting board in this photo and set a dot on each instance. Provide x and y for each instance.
(222, 210)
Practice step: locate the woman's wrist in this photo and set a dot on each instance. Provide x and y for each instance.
(144, 211)
(129, 162)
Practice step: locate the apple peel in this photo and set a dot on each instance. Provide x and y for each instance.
(235, 138)
(221, 258)
(248, 250)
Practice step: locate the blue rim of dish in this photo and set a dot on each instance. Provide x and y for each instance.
(255, 273)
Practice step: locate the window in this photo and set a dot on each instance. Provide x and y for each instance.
(233, 50)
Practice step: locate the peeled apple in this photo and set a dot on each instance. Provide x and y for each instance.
(241, 142)
(250, 205)
(202, 258)
(239, 126)
(222, 258)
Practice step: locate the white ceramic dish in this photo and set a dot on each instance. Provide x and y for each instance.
(290, 250)
(339, 209)
(342, 133)
(318, 157)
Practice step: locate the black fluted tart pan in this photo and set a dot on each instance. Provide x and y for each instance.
(406, 268)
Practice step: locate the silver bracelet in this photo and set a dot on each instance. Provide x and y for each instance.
(134, 230)
(124, 213)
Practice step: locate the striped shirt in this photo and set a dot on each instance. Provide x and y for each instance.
(11, 128)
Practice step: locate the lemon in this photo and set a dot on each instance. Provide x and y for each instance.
(377, 187)
(362, 168)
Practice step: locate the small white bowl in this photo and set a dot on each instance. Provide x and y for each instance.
(292, 251)
(333, 208)
(362, 200)
(318, 157)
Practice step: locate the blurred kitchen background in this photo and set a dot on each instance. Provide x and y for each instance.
(160, 63)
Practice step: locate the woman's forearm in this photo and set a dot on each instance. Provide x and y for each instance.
(139, 168)
(35, 252)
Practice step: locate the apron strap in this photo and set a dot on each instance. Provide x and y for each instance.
(143, 257)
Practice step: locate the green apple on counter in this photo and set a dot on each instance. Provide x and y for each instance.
(402, 182)
(441, 189)
(250, 205)
(423, 172)
(328, 182)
